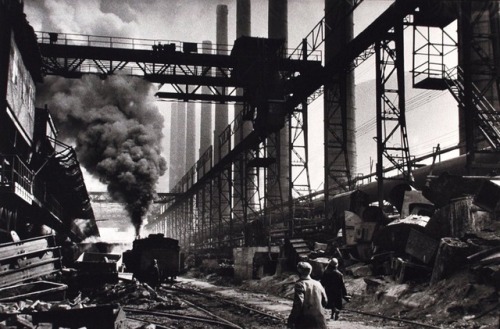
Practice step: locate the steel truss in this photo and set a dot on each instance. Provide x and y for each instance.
(392, 135)
(300, 199)
(472, 77)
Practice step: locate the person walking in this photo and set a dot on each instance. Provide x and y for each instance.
(308, 302)
(154, 274)
(333, 281)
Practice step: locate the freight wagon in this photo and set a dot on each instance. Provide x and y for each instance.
(139, 260)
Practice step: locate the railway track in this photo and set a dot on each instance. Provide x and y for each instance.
(204, 310)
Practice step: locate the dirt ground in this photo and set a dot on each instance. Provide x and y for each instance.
(457, 302)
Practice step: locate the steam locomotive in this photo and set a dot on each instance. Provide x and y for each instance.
(140, 259)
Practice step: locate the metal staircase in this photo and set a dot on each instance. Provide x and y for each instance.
(488, 119)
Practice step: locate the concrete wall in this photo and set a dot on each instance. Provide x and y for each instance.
(243, 260)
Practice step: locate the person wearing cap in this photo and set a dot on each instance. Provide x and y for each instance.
(308, 302)
(333, 281)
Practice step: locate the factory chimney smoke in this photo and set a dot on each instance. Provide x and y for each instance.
(117, 132)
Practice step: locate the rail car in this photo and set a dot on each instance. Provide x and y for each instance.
(139, 261)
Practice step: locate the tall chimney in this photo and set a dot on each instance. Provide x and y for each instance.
(243, 18)
(243, 28)
(179, 159)
(206, 109)
(176, 144)
(221, 114)
(190, 135)
(277, 180)
(335, 16)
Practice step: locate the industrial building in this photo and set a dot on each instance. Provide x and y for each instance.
(42, 187)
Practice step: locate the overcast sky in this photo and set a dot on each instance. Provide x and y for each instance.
(194, 21)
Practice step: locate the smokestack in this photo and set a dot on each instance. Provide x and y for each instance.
(177, 156)
(279, 142)
(243, 21)
(243, 28)
(174, 130)
(206, 109)
(190, 135)
(221, 113)
(335, 12)
(278, 20)
(179, 159)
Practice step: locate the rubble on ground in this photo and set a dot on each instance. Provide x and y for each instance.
(430, 255)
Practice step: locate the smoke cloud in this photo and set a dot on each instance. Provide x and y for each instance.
(117, 130)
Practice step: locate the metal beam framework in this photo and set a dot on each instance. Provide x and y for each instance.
(203, 215)
(299, 197)
(303, 85)
(177, 66)
(471, 74)
(392, 135)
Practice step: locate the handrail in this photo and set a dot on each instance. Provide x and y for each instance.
(14, 171)
(73, 39)
(485, 112)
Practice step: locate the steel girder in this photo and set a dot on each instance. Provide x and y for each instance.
(174, 64)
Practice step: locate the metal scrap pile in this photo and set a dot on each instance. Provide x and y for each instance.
(96, 295)
(423, 235)
(450, 225)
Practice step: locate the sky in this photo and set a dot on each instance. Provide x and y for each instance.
(194, 21)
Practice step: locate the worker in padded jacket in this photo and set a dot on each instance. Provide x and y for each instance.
(333, 281)
(308, 302)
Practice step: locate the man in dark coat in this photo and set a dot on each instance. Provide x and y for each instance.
(308, 302)
(154, 274)
(333, 281)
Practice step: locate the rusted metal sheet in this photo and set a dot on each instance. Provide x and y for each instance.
(394, 236)
(421, 246)
(414, 203)
(11, 249)
(405, 270)
(97, 268)
(28, 259)
(40, 290)
(461, 217)
(488, 196)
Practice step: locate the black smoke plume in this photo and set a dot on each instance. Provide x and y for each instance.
(117, 130)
